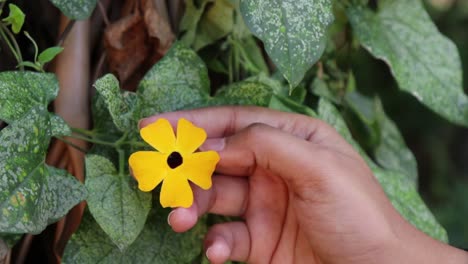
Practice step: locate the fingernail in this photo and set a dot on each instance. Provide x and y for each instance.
(169, 218)
(216, 144)
(218, 252)
(145, 121)
(208, 253)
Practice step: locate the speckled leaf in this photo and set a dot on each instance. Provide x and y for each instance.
(75, 9)
(178, 81)
(407, 201)
(20, 91)
(294, 32)
(157, 243)
(399, 189)
(245, 93)
(424, 62)
(115, 201)
(58, 126)
(65, 191)
(390, 149)
(123, 106)
(32, 195)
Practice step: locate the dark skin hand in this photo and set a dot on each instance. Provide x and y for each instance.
(305, 195)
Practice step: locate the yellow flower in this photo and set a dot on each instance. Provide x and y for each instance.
(175, 164)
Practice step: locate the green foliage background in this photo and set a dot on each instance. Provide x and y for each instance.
(380, 72)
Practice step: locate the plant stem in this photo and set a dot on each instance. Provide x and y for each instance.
(94, 141)
(36, 49)
(16, 50)
(2, 5)
(8, 42)
(72, 144)
(121, 161)
(82, 131)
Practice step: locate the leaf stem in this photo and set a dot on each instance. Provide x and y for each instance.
(82, 131)
(121, 161)
(94, 140)
(15, 49)
(36, 49)
(68, 142)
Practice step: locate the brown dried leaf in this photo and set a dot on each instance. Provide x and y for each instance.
(137, 41)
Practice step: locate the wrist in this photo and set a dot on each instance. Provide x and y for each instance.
(414, 246)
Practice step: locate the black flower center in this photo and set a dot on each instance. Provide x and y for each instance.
(174, 160)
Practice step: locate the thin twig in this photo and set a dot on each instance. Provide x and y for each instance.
(102, 10)
(65, 32)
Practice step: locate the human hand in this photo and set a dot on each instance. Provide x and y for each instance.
(306, 196)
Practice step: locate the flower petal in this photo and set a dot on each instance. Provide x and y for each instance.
(176, 191)
(189, 136)
(149, 168)
(159, 135)
(199, 167)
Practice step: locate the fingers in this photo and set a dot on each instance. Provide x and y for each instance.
(225, 121)
(228, 241)
(228, 196)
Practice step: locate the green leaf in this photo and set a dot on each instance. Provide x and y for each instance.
(115, 201)
(399, 189)
(23, 90)
(407, 201)
(15, 18)
(294, 32)
(392, 152)
(189, 23)
(49, 54)
(32, 195)
(320, 88)
(205, 25)
(424, 63)
(65, 191)
(390, 149)
(286, 104)
(157, 243)
(178, 81)
(245, 93)
(123, 106)
(76, 9)
(58, 126)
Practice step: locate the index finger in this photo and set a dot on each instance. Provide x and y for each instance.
(225, 121)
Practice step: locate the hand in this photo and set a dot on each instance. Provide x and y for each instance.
(305, 195)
